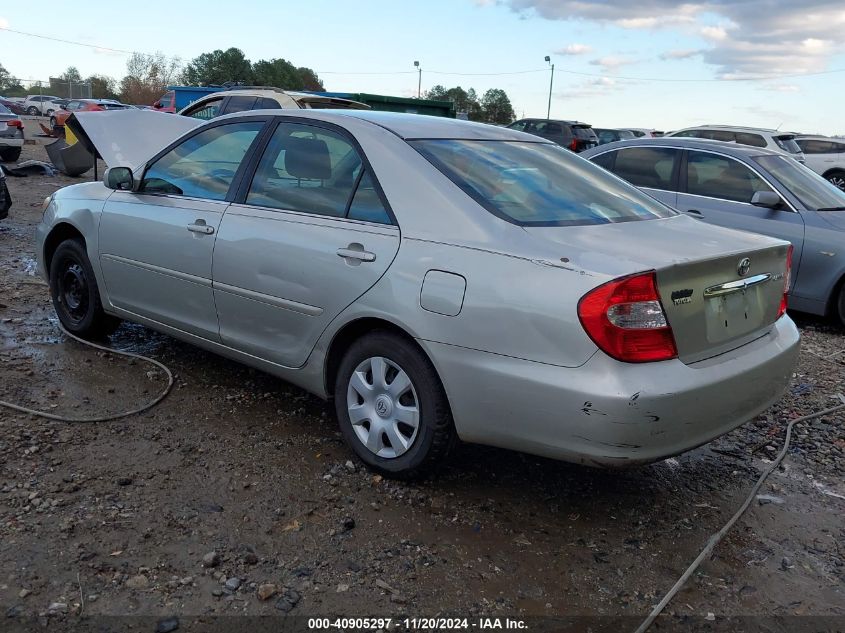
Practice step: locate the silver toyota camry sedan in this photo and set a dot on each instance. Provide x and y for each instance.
(436, 279)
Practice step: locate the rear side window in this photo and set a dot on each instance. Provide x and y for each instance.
(314, 170)
(651, 167)
(239, 104)
(689, 134)
(811, 146)
(538, 184)
(204, 165)
(717, 176)
(719, 135)
(747, 138)
(267, 104)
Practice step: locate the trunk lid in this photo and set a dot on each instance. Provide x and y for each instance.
(714, 299)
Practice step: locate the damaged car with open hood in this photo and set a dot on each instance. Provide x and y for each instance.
(437, 280)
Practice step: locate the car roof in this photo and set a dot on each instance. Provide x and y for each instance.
(731, 149)
(734, 128)
(405, 125)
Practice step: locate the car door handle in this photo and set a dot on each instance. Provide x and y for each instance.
(695, 213)
(201, 227)
(351, 252)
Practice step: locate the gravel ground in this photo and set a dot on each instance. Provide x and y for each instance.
(236, 496)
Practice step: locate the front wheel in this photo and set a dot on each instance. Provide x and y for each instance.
(391, 406)
(76, 298)
(52, 122)
(50, 112)
(840, 305)
(32, 111)
(10, 154)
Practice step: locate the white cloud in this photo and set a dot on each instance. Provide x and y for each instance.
(782, 88)
(681, 53)
(612, 62)
(574, 49)
(746, 37)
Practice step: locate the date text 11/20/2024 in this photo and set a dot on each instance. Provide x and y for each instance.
(416, 624)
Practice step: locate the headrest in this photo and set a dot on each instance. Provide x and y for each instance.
(308, 158)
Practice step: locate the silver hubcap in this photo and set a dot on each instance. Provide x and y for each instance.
(383, 407)
(839, 181)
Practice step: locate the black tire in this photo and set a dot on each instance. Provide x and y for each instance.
(52, 122)
(10, 154)
(836, 178)
(435, 435)
(840, 305)
(76, 298)
(32, 111)
(49, 112)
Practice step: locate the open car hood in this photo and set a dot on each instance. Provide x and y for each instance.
(128, 138)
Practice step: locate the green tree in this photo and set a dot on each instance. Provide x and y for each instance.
(309, 79)
(219, 67)
(147, 77)
(72, 74)
(103, 87)
(497, 107)
(466, 101)
(9, 85)
(276, 72)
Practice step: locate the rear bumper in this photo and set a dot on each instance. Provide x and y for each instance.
(607, 413)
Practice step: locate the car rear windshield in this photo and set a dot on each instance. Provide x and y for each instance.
(584, 132)
(812, 190)
(787, 144)
(113, 106)
(538, 184)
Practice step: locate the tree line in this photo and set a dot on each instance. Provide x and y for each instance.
(148, 75)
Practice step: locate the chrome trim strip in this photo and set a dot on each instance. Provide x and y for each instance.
(202, 281)
(277, 302)
(739, 285)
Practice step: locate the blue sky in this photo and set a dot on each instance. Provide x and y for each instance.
(619, 48)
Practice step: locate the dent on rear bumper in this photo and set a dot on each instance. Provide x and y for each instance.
(608, 413)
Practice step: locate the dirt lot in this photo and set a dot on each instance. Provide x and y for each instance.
(236, 496)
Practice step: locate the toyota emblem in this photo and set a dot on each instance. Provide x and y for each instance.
(743, 267)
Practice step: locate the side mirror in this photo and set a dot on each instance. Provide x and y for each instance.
(766, 199)
(119, 178)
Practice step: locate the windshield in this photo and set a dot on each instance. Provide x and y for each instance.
(4, 109)
(812, 190)
(788, 144)
(538, 184)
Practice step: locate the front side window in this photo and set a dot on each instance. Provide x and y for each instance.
(812, 190)
(812, 146)
(717, 176)
(689, 134)
(204, 165)
(207, 110)
(538, 184)
(314, 170)
(605, 160)
(650, 167)
(519, 126)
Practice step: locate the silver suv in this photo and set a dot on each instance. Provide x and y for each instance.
(753, 136)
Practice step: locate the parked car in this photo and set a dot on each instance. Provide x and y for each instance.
(242, 99)
(607, 135)
(84, 105)
(572, 135)
(11, 135)
(14, 106)
(756, 137)
(640, 132)
(825, 156)
(42, 105)
(438, 279)
(753, 189)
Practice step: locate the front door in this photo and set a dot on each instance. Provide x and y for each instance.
(311, 235)
(718, 190)
(156, 244)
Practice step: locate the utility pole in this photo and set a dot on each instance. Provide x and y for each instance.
(551, 83)
(419, 82)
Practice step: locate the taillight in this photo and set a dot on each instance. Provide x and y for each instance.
(625, 318)
(786, 278)
(14, 123)
(574, 145)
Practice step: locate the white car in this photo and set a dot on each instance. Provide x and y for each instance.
(753, 136)
(43, 105)
(260, 98)
(825, 156)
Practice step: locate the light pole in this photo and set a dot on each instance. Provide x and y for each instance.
(551, 83)
(419, 82)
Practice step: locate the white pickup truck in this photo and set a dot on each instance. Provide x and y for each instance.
(44, 105)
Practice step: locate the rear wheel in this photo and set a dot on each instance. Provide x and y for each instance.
(840, 305)
(837, 178)
(32, 111)
(10, 154)
(391, 406)
(50, 112)
(52, 121)
(75, 295)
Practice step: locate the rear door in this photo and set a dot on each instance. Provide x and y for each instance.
(652, 169)
(156, 244)
(310, 233)
(717, 189)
